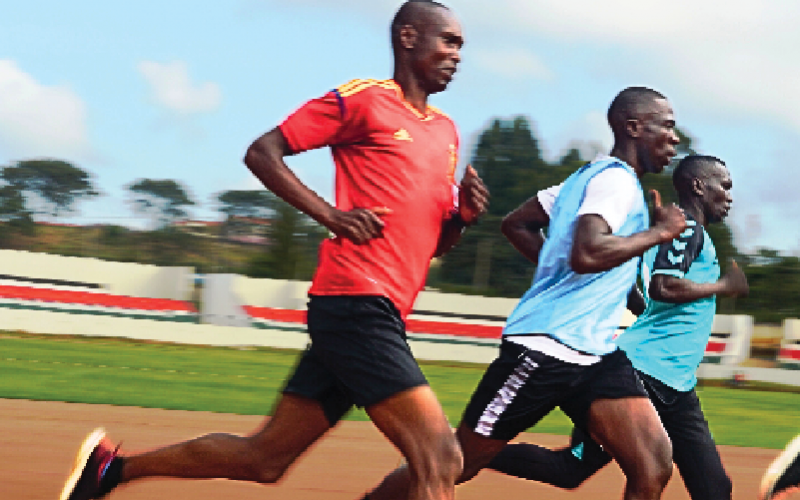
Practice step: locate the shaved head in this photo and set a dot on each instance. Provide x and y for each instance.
(693, 167)
(630, 104)
(417, 13)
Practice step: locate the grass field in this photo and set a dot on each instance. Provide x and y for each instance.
(121, 372)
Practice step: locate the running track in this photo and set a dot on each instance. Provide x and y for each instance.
(38, 439)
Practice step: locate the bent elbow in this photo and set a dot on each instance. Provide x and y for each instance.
(507, 227)
(663, 293)
(582, 264)
(252, 155)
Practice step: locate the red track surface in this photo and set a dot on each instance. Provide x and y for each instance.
(38, 441)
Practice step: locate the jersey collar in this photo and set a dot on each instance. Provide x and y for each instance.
(429, 111)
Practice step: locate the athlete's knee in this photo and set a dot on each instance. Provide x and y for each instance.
(662, 456)
(265, 467)
(440, 460)
(657, 467)
(450, 459)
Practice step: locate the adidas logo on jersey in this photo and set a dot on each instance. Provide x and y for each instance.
(403, 135)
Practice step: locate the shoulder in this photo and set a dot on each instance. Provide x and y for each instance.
(617, 174)
(361, 88)
(614, 180)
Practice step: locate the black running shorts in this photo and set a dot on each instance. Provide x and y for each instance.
(358, 354)
(521, 386)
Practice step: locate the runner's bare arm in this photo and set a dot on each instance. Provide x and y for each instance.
(595, 249)
(473, 202)
(679, 290)
(523, 228)
(265, 159)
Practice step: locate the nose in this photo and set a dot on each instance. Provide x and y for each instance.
(456, 57)
(674, 139)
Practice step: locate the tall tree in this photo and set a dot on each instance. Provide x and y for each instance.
(14, 217)
(506, 153)
(49, 187)
(163, 201)
(239, 206)
(510, 162)
(292, 241)
(253, 203)
(12, 204)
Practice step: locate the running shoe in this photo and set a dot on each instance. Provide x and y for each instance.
(92, 460)
(783, 475)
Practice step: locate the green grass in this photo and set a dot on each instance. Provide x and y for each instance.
(120, 372)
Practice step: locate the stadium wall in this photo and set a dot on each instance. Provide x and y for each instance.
(119, 278)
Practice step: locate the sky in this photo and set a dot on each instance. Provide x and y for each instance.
(179, 89)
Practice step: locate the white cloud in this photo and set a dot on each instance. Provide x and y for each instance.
(37, 120)
(172, 89)
(514, 64)
(736, 58)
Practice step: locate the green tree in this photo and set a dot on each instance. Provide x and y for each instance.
(12, 205)
(253, 203)
(506, 153)
(292, 241)
(163, 201)
(49, 187)
(774, 282)
(572, 159)
(238, 206)
(14, 217)
(509, 160)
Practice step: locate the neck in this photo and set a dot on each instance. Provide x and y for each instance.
(627, 153)
(413, 92)
(693, 208)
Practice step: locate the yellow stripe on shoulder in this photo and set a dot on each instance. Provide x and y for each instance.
(437, 111)
(355, 86)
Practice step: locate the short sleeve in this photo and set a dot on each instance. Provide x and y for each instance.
(547, 197)
(674, 257)
(318, 123)
(611, 194)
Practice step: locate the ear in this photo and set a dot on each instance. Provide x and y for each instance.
(633, 127)
(698, 186)
(408, 37)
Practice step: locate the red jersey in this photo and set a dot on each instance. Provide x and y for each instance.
(387, 154)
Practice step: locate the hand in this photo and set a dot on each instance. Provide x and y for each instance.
(359, 225)
(735, 281)
(473, 197)
(668, 221)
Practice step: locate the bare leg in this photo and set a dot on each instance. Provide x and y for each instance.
(477, 451)
(630, 430)
(415, 423)
(262, 457)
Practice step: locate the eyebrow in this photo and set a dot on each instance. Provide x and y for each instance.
(454, 37)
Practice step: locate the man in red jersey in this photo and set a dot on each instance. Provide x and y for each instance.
(397, 206)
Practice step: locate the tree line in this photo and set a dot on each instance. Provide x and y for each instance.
(507, 155)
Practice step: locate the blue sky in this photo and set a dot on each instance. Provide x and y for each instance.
(178, 89)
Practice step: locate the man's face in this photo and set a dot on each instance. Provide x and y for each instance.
(717, 197)
(658, 139)
(437, 52)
